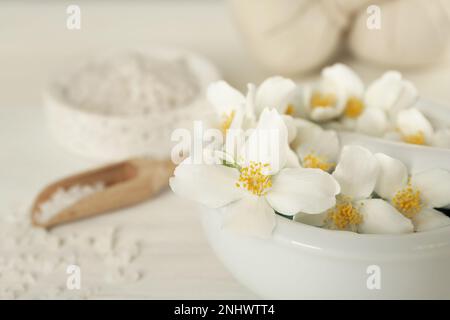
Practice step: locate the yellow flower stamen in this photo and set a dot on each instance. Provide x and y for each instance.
(227, 120)
(354, 107)
(322, 100)
(408, 201)
(254, 180)
(344, 216)
(290, 109)
(313, 161)
(417, 138)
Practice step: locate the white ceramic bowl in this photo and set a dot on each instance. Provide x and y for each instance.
(112, 137)
(305, 262)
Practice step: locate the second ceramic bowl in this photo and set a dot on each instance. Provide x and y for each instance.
(305, 262)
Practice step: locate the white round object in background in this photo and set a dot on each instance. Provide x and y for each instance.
(127, 104)
(410, 33)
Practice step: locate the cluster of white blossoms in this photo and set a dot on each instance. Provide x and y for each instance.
(387, 108)
(274, 160)
(379, 196)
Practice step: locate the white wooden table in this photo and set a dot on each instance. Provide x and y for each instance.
(175, 259)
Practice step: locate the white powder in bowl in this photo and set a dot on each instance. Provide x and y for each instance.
(63, 198)
(127, 104)
(130, 84)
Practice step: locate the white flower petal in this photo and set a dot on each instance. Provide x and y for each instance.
(235, 142)
(296, 99)
(274, 92)
(212, 185)
(251, 216)
(238, 120)
(348, 124)
(292, 160)
(380, 217)
(224, 98)
(335, 125)
(302, 190)
(316, 220)
(412, 121)
(308, 90)
(384, 92)
(302, 127)
(320, 114)
(212, 154)
(323, 143)
(408, 96)
(393, 176)
(250, 107)
(356, 172)
(326, 86)
(347, 78)
(434, 186)
(441, 139)
(372, 121)
(291, 128)
(429, 219)
(268, 144)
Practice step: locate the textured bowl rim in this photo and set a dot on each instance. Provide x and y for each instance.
(351, 243)
(344, 244)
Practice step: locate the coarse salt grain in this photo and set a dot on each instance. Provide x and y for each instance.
(64, 198)
(35, 267)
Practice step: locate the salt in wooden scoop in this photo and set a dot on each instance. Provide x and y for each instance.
(125, 183)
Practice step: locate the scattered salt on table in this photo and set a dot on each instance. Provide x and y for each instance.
(33, 262)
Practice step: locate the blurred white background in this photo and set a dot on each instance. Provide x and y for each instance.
(35, 43)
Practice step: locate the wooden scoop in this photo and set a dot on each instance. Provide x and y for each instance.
(126, 183)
